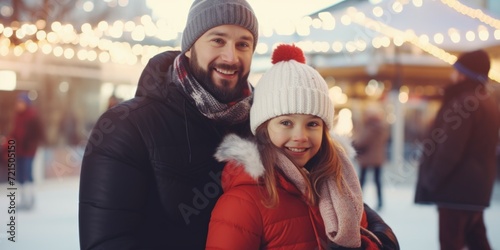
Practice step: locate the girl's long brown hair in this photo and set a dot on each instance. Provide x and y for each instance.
(326, 164)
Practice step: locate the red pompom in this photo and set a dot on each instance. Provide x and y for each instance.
(286, 52)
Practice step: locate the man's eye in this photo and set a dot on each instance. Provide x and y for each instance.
(218, 40)
(244, 45)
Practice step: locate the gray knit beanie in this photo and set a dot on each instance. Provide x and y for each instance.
(206, 14)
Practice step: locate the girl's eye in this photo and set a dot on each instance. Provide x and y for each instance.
(314, 124)
(286, 123)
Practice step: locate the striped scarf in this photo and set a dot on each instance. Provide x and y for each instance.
(226, 113)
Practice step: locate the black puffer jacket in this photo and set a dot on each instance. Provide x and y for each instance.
(149, 179)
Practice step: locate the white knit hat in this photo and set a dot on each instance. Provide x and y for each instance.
(290, 87)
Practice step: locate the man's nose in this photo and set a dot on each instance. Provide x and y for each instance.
(229, 54)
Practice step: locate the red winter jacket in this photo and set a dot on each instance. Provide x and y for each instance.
(241, 221)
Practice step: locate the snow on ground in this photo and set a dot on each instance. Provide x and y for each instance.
(53, 224)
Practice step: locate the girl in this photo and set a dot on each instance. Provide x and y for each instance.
(292, 186)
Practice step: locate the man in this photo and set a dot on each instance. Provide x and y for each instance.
(149, 179)
(457, 169)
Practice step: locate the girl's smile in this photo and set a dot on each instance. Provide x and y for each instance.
(298, 135)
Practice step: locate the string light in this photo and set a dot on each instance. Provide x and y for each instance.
(63, 36)
(97, 42)
(473, 13)
(421, 42)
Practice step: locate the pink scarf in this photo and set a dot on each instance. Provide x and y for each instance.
(341, 210)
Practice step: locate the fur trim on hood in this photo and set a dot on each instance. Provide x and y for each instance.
(245, 152)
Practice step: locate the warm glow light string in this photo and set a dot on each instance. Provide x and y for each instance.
(62, 40)
(473, 13)
(399, 36)
(104, 42)
(481, 16)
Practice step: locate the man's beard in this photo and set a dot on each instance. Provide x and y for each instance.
(222, 94)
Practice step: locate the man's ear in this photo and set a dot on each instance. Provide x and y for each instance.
(188, 53)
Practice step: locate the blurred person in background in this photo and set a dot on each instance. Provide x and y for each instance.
(4, 146)
(458, 164)
(28, 133)
(370, 142)
(68, 128)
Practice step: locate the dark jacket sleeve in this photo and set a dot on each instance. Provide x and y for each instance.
(119, 206)
(113, 185)
(383, 231)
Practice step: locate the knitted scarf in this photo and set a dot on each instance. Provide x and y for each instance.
(341, 210)
(227, 113)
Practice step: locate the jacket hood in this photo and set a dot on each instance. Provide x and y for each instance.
(156, 76)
